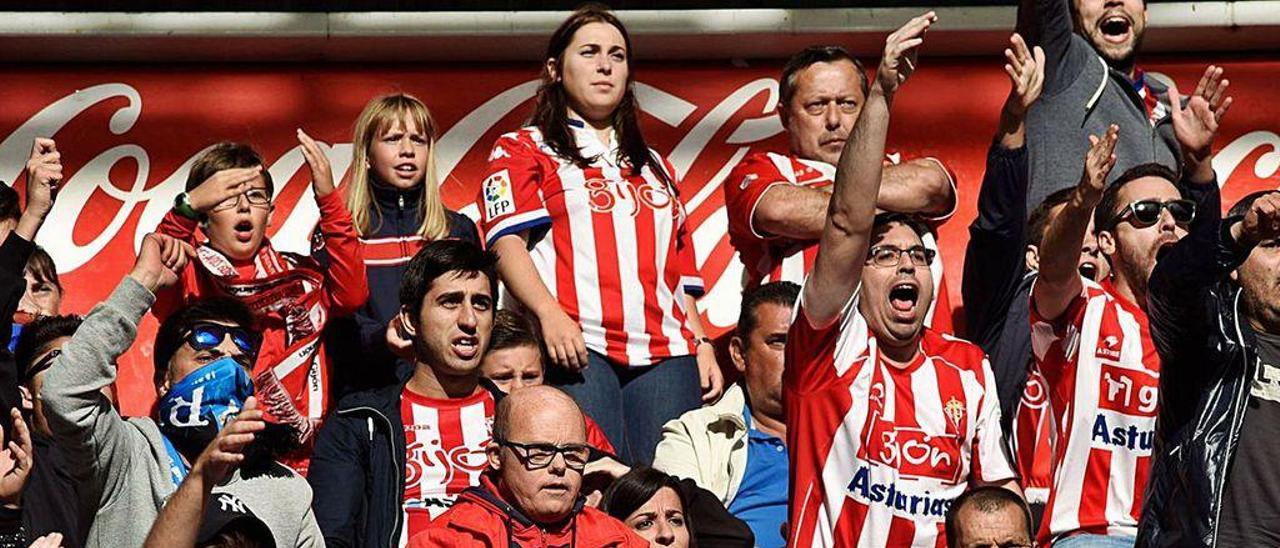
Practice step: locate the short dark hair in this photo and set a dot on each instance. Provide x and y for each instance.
(987, 499)
(42, 268)
(810, 56)
(631, 491)
(9, 209)
(884, 219)
(438, 258)
(226, 155)
(779, 293)
(36, 338)
(512, 329)
(1106, 214)
(1242, 207)
(1038, 221)
(173, 330)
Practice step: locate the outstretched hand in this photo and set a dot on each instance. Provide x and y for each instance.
(901, 50)
(318, 161)
(1026, 72)
(1196, 124)
(1099, 161)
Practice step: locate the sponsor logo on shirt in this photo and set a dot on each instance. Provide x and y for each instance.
(915, 453)
(1266, 382)
(864, 488)
(1129, 391)
(604, 195)
(1117, 431)
(498, 198)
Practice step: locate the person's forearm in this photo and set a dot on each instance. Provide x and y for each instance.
(1012, 131)
(1063, 238)
(517, 271)
(692, 319)
(30, 221)
(179, 521)
(791, 211)
(346, 278)
(919, 186)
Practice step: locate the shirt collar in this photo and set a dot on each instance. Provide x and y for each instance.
(752, 432)
(589, 143)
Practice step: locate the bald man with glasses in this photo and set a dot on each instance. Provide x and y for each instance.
(530, 496)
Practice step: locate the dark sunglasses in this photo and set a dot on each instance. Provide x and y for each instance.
(206, 336)
(43, 363)
(536, 456)
(1144, 213)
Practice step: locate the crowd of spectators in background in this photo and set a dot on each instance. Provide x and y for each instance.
(541, 376)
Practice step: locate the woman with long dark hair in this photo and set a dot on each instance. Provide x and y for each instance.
(591, 238)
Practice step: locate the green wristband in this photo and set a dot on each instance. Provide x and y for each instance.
(182, 206)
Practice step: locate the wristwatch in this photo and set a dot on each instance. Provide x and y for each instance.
(699, 341)
(182, 206)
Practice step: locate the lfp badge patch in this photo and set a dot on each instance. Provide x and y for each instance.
(498, 199)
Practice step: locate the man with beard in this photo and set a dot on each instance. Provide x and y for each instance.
(203, 352)
(777, 203)
(1215, 317)
(887, 421)
(1092, 80)
(1090, 340)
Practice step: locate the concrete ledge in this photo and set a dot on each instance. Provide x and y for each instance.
(507, 36)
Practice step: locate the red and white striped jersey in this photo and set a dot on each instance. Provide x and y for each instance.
(445, 441)
(767, 257)
(609, 244)
(1033, 437)
(877, 452)
(1104, 378)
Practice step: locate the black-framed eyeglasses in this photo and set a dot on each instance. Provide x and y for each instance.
(889, 255)
(1144, 213)
(205, 336)
(255, 197)
(536, 456)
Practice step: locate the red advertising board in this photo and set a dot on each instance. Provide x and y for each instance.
(128, 135)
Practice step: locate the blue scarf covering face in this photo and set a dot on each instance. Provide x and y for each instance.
(194, 410)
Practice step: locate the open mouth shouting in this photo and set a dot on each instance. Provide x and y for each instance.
(904, 297)
(1116, 28)
(244, 231)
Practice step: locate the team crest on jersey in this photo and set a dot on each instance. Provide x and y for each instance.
(955, 411)
(498, 198)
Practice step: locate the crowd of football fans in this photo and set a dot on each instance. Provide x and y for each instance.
(540, 376)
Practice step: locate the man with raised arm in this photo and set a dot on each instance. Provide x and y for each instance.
(1091, 341)
(1092, 80)
(887, 422)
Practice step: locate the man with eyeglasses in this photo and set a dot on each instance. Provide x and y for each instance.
(130, 467)
(1091, 341)
(530, 495)
(887, 421)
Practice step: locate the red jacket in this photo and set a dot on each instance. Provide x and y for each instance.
(482, 519)
(298, 295)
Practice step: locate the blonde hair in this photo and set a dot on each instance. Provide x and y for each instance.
(380, 114)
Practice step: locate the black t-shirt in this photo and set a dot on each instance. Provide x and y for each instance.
(1251, 500)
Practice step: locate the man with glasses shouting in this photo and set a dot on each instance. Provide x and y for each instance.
(529, 497)
(203, 352)
(1091, 340)
(887, 421)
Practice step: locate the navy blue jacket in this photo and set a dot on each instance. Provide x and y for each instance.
(357, 469)
(387, 253)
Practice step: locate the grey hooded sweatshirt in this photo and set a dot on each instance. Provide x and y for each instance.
(1082, 95)
(124, 462)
